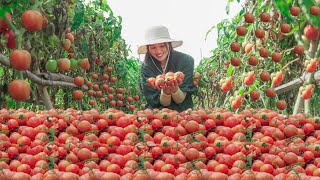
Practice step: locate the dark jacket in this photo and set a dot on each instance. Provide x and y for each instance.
(178, 61)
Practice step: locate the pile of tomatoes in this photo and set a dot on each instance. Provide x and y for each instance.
(165, 80)
(158, 144)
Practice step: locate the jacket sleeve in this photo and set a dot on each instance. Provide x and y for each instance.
(152, 95)
(187, 68)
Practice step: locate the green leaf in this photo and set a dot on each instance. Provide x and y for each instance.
(11, 103)
(117, 33)
(241, 90)
(317, 90)
(36, 5)
(253, 86)
(284, 6)
(3, 11)
(305, 7)
(228, 7)
(241, 12)
(229, 71)
(1, 71)
(209, 31)
(83, 43)
(226, 33)
(104, 6)
(293, 30)
(78, 17)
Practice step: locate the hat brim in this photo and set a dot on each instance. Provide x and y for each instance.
(143, 48)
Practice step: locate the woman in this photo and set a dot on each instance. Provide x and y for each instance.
(161, 58)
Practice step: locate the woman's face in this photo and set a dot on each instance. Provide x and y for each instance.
(159, 51)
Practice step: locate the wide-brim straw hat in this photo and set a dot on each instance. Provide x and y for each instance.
(155, 35)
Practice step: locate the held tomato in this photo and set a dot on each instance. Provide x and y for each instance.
(151, 82)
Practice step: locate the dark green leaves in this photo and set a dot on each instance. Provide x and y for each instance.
(78, 17)
(228, 7)
(229, 71)
(305, 6)
(284, 7)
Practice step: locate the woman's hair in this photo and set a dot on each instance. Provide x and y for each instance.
(147, 56)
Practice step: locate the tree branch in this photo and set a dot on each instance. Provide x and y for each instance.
(296, 83)
(55, 77)
(34, 78)
(52, 81)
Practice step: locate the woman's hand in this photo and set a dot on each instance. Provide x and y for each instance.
(167, 90)
(175, 87)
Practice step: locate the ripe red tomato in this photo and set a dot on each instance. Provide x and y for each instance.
(241, 30)
(32, 20)
(281, 104)
(235, 47)
(10, 37)
(299, 49)
(249, 78)
(249, 18)
(311, 32)
(311, 65)
(276, 57)
(294, 11)
(264, 52)
(192, 126)
(265, 17)
(315, 10)
(285, 28)
(253, 60)
(20, 60)
(3, 24)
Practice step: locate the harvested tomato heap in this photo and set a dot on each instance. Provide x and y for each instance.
(161, 144)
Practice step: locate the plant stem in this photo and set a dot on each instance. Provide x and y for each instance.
(312, 50)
